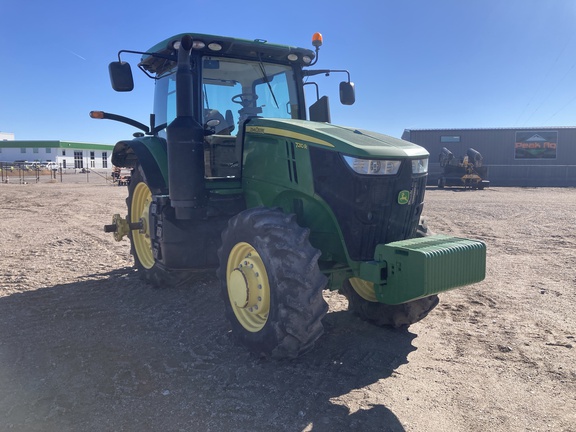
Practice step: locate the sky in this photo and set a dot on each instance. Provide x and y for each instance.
(416, 64)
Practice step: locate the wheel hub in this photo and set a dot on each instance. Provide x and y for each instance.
(248, 288)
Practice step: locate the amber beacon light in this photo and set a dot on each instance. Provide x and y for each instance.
(317, 40)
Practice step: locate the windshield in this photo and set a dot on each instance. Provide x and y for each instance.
(234, 90)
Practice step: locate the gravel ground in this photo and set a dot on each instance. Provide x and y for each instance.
(86, 346)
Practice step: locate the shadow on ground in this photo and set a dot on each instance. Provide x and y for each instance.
(111, 353)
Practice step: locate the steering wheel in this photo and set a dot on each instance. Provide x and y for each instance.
(245, 99)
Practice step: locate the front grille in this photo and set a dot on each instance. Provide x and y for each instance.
(367, 207)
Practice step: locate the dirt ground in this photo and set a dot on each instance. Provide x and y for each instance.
(86, 346)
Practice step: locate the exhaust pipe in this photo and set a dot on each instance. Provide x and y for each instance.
(185, 143)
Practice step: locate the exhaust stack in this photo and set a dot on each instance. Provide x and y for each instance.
(185, 142)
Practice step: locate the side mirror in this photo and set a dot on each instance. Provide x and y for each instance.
(121, 76)
(347, 93)
(320, 110)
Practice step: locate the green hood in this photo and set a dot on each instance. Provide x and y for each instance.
(350, 141)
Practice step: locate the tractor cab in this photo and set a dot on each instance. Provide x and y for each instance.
(232, 81)
(232, 92)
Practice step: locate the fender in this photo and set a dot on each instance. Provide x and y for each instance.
(152, 155)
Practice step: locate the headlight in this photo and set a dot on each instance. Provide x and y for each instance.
(419, 166)
(373, 166)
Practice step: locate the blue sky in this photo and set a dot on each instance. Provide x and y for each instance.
(415, 63)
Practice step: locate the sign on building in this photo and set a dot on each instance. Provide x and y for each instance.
(536, 145)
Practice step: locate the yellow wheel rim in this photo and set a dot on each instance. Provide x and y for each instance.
(364, 289)
(141, 198)
(248, 287)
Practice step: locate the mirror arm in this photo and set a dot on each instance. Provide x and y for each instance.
(325, 71)
(315, 85)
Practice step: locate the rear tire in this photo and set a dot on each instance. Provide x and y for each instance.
(138, 202)
(271, 283)
(362, 300)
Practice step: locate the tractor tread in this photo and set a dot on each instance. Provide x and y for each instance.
(296, 283)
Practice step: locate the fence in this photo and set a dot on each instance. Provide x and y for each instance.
(28, 174)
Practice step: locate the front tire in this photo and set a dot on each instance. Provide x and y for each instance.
(363, 302)
(271, 283)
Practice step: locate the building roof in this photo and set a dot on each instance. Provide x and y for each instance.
(530, 128)
(55, 144)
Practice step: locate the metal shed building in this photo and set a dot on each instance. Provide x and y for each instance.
(514, 156)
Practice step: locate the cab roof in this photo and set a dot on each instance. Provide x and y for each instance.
(166, 54)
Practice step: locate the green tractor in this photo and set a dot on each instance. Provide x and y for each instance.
(234, 174)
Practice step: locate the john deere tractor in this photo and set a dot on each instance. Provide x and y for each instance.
(234, 173)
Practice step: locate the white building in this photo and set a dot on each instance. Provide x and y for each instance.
(66, 154)
(6, 136)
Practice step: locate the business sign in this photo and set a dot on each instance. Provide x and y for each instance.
(536, 145)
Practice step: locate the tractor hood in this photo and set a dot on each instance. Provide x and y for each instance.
(346, 140)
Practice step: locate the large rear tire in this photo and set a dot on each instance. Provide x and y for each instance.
(138, 202)
(362, 300)
(271, 283)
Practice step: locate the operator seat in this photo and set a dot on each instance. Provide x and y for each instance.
(220, 147)
(222, 128)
